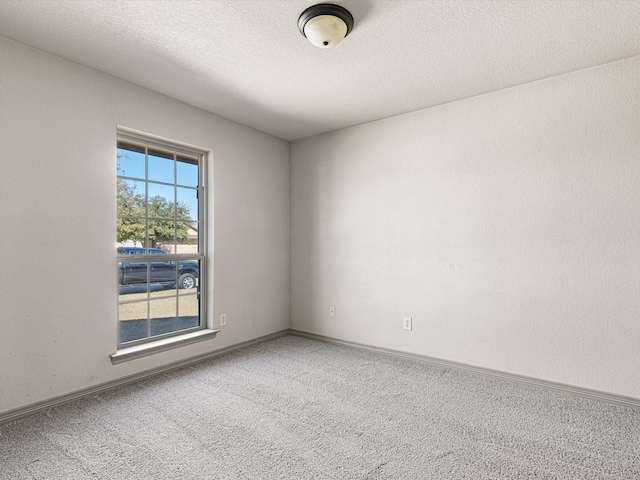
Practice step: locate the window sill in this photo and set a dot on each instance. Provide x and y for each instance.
(131, 353)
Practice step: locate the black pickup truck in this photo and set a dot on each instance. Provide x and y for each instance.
(162, 271)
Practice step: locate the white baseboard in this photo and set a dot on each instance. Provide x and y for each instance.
(510, 377)
(21, 412)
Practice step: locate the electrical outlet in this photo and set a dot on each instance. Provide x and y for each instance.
(332, 312)
(406, 323)
(223, 319)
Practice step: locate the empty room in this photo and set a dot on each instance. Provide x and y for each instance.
(279, 239)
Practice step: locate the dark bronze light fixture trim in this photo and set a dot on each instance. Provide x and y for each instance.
(327, 31)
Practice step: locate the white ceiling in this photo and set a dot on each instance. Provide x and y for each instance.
(246, 61)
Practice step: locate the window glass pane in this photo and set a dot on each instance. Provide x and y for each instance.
(163, 271)
(162, 235)
(162, 313)
(130, 196)
(130, 232)
(163, 289)
(130, 221)
(133, 321)
(187, 172)
(132, 274)
(187, 237)
(130, 163)
(133, 283)
(188, 311)
(187, 203)
(161, 200)
(189, 277)
(161, 169)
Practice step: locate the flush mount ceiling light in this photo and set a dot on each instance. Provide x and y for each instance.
(325, 25)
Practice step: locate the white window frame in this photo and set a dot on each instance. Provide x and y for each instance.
(151, 344)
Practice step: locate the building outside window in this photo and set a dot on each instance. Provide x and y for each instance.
(159, 239)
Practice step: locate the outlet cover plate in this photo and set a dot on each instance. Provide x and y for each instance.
(407, 323)
(223, 319)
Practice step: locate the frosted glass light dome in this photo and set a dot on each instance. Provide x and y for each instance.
(325, 31)
(325, 25)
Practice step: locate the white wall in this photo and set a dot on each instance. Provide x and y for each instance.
(507, 225)
(57, 215)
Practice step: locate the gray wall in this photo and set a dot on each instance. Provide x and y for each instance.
(57, 248)
(507, 225)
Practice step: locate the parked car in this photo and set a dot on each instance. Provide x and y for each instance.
(161, 271)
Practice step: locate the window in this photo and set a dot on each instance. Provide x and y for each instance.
(160, 240)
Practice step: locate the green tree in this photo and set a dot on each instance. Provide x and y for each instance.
(166, 218)
(130, 204)
(177, 221)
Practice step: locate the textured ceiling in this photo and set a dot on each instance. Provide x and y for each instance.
(246, 61)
